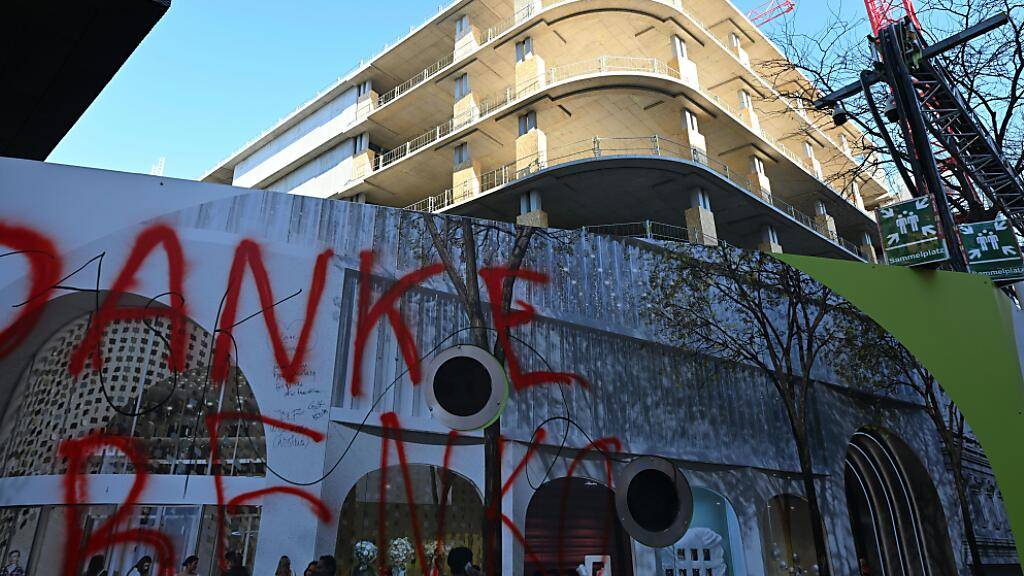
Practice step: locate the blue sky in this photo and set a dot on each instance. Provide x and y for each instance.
(214, 74)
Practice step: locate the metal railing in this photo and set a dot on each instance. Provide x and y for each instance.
(599, 147)
(511, 94)
(653, 230)
(416, 80)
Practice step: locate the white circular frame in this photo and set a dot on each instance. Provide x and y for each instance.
(679, 525)
(495, 403)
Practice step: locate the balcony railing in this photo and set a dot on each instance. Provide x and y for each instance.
(598, 147)
(653, 230)
(426, 74)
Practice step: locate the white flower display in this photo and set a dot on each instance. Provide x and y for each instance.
(364, 552)
(401, 552)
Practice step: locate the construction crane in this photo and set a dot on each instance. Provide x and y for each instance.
(941, 132)
(770, 10)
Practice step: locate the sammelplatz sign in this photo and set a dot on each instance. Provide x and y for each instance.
(992, 250)
(911, 235)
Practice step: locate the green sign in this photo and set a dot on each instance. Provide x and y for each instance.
(992, 250)
(911, 234)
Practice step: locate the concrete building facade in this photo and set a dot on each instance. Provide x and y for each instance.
(576, 113)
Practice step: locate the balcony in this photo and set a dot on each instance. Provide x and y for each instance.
(595, 148)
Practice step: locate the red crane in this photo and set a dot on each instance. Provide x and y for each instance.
(882, 13)
(770, 10)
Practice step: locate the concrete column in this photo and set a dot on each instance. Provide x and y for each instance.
(867, 249)
(769, 240)
(700, 221)
(467, 36)
(366, 100)
(530, 68)
(687, 68)
(362, 157)
(531, 151)
(855, 196)
(823, 220)
(813, 160)
(530, 210)
(692, 138)
(465, 175)
(736, 44)
(465, 110)
(747, 113)
(758, 180)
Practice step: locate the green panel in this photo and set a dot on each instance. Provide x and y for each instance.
(911, 234)
(992, 250)
(959, 327)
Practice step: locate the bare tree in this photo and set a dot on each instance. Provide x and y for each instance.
(989, 72)
(872, 357)
(751, 308)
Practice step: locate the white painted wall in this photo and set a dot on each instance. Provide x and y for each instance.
(331, 119)
(323, 176)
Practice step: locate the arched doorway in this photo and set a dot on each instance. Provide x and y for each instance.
(445, 505)
(134, 394)
(570, 521)
(898, 525)
(712, 545)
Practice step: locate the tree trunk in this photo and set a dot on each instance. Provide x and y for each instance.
(807, 472)
(957, 465)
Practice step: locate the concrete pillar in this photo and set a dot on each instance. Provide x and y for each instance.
(700, 221)
(747, 113)
(363, 158)
(687, 68)
(736, 44)
(465, 174)
(769, 240)
(530, 68)
(855, 196)
(366, 100)
(465, 109)
(692, 138)
(813, 160)
(758, 180)
(823, 220)
(531, 148)
(867, 249)
(530, 210)
(467, 36)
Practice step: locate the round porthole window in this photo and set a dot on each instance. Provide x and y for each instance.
(466, 387)
(654, 501)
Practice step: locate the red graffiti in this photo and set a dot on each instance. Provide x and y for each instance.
(453, 435)
(45, 266)
(76, 491)
(248, 254)
(494, 279)
(390, 425)
(494, 510)
(145, 243)
(212, 422)
(368, 316)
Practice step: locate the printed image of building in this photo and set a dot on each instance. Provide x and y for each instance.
(883, 482)
(651, 118)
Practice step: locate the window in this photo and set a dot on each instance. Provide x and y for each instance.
(680, 46)
(461, 25)
(690, 121)
(524, 48)
(809, 150)
(845, 142)
(745, 100)
(734, 41)
(363, 89)
(772, 235)
(461, 154)
(527, 122)
(757, 164)
(461, 86)
(362, 142)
